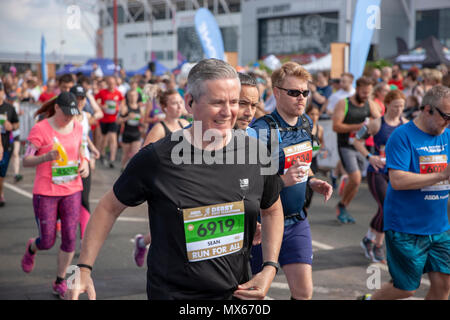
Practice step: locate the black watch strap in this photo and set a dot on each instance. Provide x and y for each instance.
(271, 263)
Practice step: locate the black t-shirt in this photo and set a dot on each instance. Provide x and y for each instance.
(7, 112)
(169, 187)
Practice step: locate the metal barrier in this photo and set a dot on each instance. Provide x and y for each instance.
(27, 120)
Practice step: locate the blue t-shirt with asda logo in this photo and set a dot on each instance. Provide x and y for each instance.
(421, 211)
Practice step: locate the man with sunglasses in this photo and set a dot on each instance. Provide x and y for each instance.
(294, 153)
(348, 118)
(415, 208)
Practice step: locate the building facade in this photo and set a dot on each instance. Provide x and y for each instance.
(298, 29)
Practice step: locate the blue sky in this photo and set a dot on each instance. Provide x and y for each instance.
(22, 22)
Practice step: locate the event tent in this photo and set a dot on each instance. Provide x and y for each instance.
(427, 54)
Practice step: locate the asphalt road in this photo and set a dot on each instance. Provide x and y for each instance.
(340, 269)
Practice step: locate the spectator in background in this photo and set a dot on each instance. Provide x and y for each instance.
(335, 84)
(122, 86)
(96, 71)
(446, 80)
(386, 74)
(432, 78)
(345, 91)
(376, 75)
(411, 107)
(320, 90)
(379, 93)
(9, 121)
(49, 92)
(65, 82)
(412, 86)
(397, 78)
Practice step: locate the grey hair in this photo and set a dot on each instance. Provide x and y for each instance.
(208, 69)
(434, 96)
(247, 80)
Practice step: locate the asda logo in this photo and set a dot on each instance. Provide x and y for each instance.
(431, 197)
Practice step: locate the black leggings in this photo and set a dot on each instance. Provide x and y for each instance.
(378, 183)
(86, 191)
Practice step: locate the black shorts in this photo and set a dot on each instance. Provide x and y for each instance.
(129, 137)
(108, 127)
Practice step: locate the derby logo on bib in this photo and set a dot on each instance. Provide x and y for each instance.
(214, 231)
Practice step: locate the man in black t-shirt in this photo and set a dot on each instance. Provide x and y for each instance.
(9, 121)
(203, 199)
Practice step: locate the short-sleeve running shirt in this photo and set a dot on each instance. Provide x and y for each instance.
(110, 104)
(50, 179)
(424, 211)
(203, 215)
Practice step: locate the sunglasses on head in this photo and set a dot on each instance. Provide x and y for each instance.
(295, 93)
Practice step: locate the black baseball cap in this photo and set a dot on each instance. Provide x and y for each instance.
(68, 103)
(78, 91)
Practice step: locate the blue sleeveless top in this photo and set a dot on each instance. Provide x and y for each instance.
(380, 140)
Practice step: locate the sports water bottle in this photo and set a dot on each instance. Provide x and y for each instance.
(62, 161)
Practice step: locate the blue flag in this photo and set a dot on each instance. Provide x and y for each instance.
(366, 19)
(43, 61)
(209, 33)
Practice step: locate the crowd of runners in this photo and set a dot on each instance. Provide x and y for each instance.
(227, 237)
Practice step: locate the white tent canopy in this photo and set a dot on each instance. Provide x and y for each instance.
(321, 64)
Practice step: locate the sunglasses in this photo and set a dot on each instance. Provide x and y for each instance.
(295, 93)
(444, 116)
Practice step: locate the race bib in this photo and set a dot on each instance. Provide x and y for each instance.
(431, 164)
(214, 231)
(64, 174)
(3, 118)
(135, 120)
(110, 107)
(301, 152)
(383, 153)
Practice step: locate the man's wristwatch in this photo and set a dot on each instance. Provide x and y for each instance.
(271, 263)
(368, 156)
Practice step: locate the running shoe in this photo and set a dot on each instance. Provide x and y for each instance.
(28, 258)
(341, 214)
(378, 254)
(350, 219)
(342, 184)
(18, 177)
(367, 246)
(59, 289)
(2, 201)
(111, 165)
(367, 296)
(104, 161)
(139, 253)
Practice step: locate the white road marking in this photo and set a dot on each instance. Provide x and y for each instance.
(18, 190)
